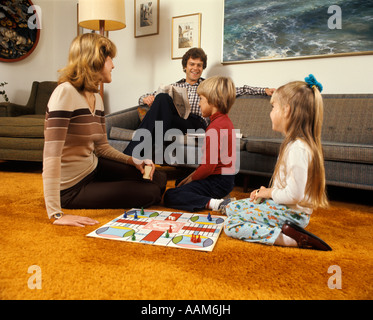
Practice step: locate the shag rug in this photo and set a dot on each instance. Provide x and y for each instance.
(75, 267)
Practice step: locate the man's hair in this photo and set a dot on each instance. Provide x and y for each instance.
(87, 56)
(219, 92)
(194, 53)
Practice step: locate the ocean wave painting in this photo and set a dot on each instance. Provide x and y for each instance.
(282, 29)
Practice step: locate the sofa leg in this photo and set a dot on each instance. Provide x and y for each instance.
(245, 182)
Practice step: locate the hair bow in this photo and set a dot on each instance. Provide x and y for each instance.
(311, 81)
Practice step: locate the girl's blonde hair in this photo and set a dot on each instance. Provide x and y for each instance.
(219, 92)
(304, 122)
(87, 56)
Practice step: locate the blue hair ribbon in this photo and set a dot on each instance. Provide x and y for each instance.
(311, 81)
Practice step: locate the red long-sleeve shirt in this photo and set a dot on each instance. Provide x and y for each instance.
(219, 149)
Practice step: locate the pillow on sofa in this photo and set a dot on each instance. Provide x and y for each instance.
(121, 134)
(142, 111)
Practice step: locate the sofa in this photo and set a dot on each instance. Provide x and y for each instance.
(347, 138)
(22, 126)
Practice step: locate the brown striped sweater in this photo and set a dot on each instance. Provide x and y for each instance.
(74, 139)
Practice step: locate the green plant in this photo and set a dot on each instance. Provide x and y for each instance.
(2, 92)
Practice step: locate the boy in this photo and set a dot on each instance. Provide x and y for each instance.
(214, 178)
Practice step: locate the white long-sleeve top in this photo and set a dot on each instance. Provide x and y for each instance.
(289, 188)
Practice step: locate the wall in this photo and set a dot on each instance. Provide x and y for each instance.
(144, 63)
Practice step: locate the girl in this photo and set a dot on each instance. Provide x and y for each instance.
(298, 183)
(80, 169)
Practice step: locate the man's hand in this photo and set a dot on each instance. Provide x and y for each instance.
(149, 100)
(270, 91)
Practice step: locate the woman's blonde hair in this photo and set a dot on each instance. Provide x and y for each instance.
(87, 56)
(219, 92)
(304, 122)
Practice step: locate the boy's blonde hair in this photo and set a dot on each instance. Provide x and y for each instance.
(87, 56)
(219, 92)
(304, 122)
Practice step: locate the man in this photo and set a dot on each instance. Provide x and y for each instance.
(163, 109)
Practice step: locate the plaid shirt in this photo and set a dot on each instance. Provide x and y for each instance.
(194, 98)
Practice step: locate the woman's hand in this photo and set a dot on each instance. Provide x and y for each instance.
(75, 221)
(140, 165)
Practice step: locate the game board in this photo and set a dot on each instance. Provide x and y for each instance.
(164, 228)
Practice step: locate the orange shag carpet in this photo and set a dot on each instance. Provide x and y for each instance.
(75, 267)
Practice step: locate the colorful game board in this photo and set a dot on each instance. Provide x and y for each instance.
(164, 228)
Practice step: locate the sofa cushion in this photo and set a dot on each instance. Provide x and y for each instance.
(333, 151)
(268, 146)
(348, 152)
(22, 127)
(121, 134)
(348, 119)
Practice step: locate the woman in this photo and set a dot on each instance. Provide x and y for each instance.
(80, 169)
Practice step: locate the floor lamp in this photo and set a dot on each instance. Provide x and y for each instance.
(102, 15)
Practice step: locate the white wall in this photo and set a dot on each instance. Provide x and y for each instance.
(144, 63)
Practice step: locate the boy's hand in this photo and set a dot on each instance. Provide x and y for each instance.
(185, 181)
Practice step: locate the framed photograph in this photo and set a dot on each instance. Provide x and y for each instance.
(146, 18)
(186, 34)
(284, 30)
(20, 24)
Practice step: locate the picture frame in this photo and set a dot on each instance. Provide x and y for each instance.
(20, 24)
(276, 31)
(146, 18)
(186, 34)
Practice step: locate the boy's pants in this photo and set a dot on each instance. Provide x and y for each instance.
(195, 195)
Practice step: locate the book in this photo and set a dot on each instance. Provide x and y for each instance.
(179, 97)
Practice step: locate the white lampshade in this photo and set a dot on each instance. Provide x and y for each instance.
(110, 11)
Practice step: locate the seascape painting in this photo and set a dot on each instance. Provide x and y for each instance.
(266, 29)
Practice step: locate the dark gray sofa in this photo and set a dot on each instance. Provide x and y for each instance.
(347, 137)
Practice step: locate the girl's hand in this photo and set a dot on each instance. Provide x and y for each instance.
(263, 193)
(75, 221)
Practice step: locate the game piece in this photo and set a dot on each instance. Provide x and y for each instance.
(209, 217)
(146, 175)
(189, 230)
(257, 200)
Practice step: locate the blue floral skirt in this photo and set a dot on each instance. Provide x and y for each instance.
(260, 222)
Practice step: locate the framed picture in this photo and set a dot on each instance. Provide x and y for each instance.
(281, 30)
(186, 34)
(146, 18)
(20, 24)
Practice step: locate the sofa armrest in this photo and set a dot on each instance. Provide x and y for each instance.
(125, 119)
(8, 109)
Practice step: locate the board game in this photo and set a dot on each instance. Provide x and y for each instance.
(164, 228)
